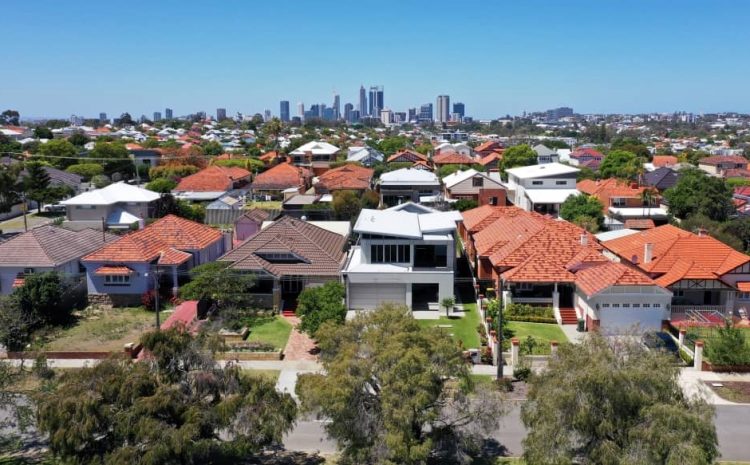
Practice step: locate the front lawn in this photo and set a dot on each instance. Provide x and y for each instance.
(542, 333)
(463, 329)
(106, 330)
(274, 330)
(270, 375)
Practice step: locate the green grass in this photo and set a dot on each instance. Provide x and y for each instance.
(271, 330)
(271, 375)
(104, 331)
(463, 329)
(269, 205)
(543, 333)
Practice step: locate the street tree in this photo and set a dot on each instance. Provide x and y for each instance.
(346, 205)
(177, 406)
(10, 117)
(396, 392)
(696, 192)
(9, 189)
(114, 158)
(43, 132)
(613, 401)
(59, 153)
(218, 282)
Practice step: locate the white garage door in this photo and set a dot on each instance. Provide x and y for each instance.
(368, 296)
(625, 320)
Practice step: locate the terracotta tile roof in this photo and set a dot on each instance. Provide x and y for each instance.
(110, 270)
(721, 159)
(678, 254)
(281, 176)
(743, 286)
(742, 191)
(50, 246)
(452, 158)
(320, 252)
(639, 224)
(132, 146)
(346, 177)
(606, 189)
(594, 163)
(594, 279)
(212, 179)
(490, 145)
(586, 153)
(269, 156)
(166, 239)
(421, 165)
(737, 173)
(664, 160)
(406, 156)
(492, 157)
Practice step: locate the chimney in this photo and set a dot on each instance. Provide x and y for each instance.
(701, 232)
(648, 252)
(584, 240)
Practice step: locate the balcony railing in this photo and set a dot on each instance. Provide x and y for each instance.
(698, 308)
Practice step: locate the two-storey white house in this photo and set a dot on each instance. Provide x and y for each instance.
(403, 255)
(541, 188)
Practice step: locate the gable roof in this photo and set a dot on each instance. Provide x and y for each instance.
(212, 179)
(166, 239)
(461, 176)
(490, 145)
(452, 158)
(678, 254)
(114, 193)
(661, 178)
(543, 151)
(256, 215)
(606, 189)
(321, 252)
(50, 246)
(664, 160)
(586, 152)
(407, 156)
(281, 176)
(344, 177)
(594, 279)
(316, 147)
(491, 158)
(409, 176)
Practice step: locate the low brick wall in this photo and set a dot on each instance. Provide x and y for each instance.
(61, 355)
(708, 366)
(249, 356)
(115, 300)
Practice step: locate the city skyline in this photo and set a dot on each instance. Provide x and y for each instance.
(597, 57)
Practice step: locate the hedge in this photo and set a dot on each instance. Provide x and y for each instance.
(531, 319)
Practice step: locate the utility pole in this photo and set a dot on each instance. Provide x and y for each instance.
(156, 298)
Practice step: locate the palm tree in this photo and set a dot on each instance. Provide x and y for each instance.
(648, 196)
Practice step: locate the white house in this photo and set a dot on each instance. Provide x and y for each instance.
(118, 205)
(408, 184)
(403, 255)
(368, 156)
(541, 188)
(314, 153)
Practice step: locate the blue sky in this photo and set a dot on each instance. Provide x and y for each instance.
(83, 57)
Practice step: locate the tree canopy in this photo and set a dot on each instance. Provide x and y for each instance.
(614, 402)
(583, 210)
(395, 392)
(216, 281)
(696, 192)
(518, 155)
(178, 406)
(59, 153)
(621, 164)
(319, 304)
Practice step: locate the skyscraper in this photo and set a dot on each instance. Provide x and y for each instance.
(336, 106)
(284, 110)
(376, 101)
(425, 113)
(102, 117)
(266, 115)
(459, 108)
(348, 108)
(221, 114)
(362, 101)
(168, 113)
(157, 116)
(301, 110)
(443, 111)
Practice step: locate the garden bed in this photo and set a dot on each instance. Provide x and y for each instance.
(733, 391)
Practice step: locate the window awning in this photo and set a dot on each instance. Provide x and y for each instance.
(743, 286)
(107, 270)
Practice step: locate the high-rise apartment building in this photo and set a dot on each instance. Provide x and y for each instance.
(348, 108)
(443, 109)
(168, 113)
(336, 106)
(386, 116)
(284, 110)
(157, 116)
(102, 117)
(354, 116)
(425, 113)
(412, 115)
(301, 110)
(459, 109)
(362, 101)
(221, 114)
(376, 101)
(266, 115)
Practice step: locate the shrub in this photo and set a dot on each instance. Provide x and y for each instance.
(729, 347)
(101, 180)
(525, 310)
(252, 347)
(86, 170)
(531, 319)
(464, 204)
(162, 185)
(486, 355)
(148, 299)
(317, 305)
(504, 384)
(529, 344)
(172, 171)
(522, 372)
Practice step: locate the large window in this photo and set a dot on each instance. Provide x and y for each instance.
(390, 253)
(477, 182)
(430, 256)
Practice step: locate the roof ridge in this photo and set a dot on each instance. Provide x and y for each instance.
(44, 249)
(314, 242)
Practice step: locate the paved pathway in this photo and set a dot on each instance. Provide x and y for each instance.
(693, 382)
(299, 346)
(571, 332)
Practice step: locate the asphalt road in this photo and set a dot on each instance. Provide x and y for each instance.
(732, 428)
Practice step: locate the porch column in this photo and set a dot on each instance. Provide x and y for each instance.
(555, 299)
(175, 286)
(514, 350)
(729, 304)
(698, 356)
(277, 295)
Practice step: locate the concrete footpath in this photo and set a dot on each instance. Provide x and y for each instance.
(693, 383)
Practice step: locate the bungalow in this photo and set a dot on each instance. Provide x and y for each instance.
(474, 185)
(705, 275)
(491, 162)
(315, 155)
(533, 259)
(117, 206)
(288, 256)
(403, 255)
(348, 177)
(408, 184)
(273, 182)
(719, 165)
(211, 183)
(541, 188)
(120, 272)
(365, 155)
(622, 201)
(584, 156)
(407, 156)
(46, 248)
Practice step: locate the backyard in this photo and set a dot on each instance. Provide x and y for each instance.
(106, 330)
(542, 333)
(462, 329)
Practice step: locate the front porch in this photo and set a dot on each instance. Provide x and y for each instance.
(559, 296)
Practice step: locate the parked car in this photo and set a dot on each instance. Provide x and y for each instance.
(56, 208)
